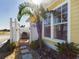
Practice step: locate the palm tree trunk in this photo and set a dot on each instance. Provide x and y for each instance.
(39, 29)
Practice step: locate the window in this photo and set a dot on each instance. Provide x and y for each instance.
(60, 23)
(47, 26)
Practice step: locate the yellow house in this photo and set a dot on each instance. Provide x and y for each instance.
(63, 24)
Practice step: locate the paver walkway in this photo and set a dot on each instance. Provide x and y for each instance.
(25, 52)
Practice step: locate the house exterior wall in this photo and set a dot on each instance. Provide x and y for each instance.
(75, 21)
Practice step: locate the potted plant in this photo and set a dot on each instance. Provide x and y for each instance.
(67, 50)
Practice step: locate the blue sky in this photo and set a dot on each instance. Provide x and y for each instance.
(8, 9)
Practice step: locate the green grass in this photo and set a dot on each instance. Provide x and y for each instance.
(4, 33)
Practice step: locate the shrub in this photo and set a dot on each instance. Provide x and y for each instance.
(68, 50)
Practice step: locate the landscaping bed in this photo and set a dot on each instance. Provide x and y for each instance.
(7, 49)
(64, 50)
(44, 52)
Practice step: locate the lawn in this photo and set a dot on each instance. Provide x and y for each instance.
(4, 33)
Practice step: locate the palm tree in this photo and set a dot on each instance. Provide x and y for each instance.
(37, 13)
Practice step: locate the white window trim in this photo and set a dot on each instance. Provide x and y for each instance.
(68, 23)
(51, 22)
(54, 40)
(62, 22)
(43, 36)
(52, 26)
(52, 30)
(46, 38)
(47, 25)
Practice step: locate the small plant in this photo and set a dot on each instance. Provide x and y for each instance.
(68, 50)
(11, 46)
(8, 47)
(34, 44)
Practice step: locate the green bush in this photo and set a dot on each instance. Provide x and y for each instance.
(70, 50)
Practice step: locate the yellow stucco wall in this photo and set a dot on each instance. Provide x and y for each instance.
(75, 21)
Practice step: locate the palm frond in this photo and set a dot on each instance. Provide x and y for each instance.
(31, 10)
(24, 9)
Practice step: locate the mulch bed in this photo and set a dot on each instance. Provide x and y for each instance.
(4, 54)
(47, 53)
(5, 50)
(44, 51)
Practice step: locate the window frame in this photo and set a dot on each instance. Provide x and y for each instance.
(68, 27)
(54, 24)
(46, 25)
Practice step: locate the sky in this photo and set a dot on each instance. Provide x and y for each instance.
(9, 9)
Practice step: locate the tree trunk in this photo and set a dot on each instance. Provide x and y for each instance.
(39, 29)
